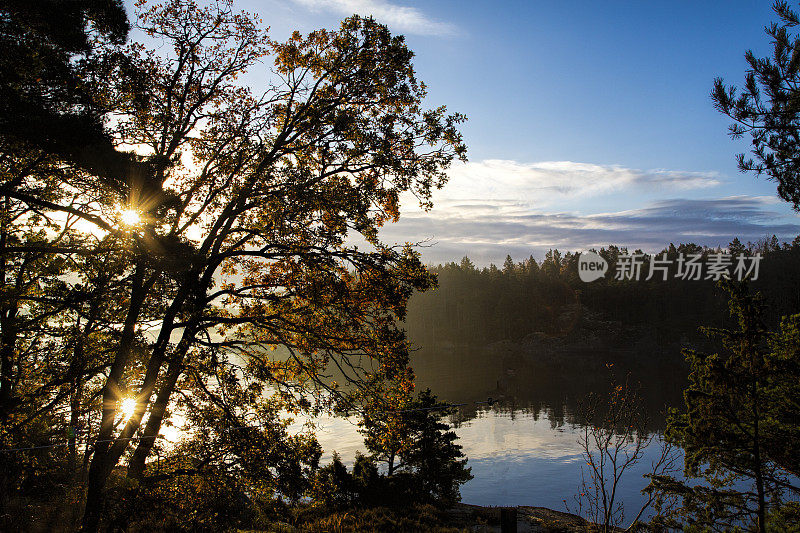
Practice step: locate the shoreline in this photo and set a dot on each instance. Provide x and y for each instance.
(529, 519)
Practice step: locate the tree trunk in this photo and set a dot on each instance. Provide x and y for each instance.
(98, 474)
(154, 421)
(193, 283)
(5, 380)
(74, 407)
(137, 462)
(762, 504)
(103, 461)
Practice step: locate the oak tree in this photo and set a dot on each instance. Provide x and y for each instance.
(245, 238)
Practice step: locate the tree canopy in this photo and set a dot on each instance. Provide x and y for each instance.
(739, 428)
(767, 107)
(219, 264)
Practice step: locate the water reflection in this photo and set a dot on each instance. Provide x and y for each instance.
(517, 458)
(524, 450)
(553, 383)
(523, 460)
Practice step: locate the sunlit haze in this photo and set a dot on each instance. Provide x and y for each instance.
(130, 217)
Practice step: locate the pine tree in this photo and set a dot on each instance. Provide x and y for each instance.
(766, 108)
(438, 461)
(740, 424)
(424, 462)
(736, 247)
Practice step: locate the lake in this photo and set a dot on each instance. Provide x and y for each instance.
(524, 449)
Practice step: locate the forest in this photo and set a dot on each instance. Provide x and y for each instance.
(484, 305)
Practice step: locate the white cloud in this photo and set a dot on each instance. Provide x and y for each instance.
(495, 207)
(488, 230)
(547, 180)
(402, 18)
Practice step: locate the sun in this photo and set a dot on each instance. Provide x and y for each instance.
(128, 407)
(130, 217)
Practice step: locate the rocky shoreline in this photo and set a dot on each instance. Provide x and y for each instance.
(529, 519)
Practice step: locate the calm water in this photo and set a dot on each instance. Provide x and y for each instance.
(524, 450)
(516, 459)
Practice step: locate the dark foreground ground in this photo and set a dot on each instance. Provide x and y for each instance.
(529, 519)
(459, 519)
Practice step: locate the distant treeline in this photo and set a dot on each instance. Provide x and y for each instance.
(517, 299)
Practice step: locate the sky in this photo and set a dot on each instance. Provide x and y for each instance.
(590, 123)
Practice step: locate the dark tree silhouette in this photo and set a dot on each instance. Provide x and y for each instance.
(740, 420)
(768, 107)
(424, 463)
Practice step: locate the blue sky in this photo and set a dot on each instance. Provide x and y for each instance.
(590, 123)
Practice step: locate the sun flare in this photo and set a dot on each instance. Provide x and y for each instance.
(130, 217)
(128, 407)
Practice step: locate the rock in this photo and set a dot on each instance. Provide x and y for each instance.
(529, 519)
